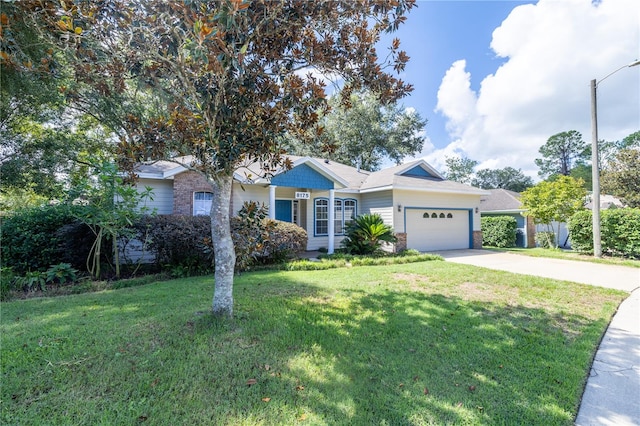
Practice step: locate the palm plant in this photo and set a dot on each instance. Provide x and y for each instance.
(366, 234)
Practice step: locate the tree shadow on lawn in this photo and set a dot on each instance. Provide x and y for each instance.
(392, 357)
(383, 354)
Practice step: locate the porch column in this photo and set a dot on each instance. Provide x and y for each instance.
(332, 223)
(272, 202)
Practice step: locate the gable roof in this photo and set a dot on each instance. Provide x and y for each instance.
(501, 200)
(404, 176)
(417, 175)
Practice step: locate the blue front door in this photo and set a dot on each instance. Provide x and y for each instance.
(283, 210)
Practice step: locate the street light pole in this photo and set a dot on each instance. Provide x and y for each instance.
(595, 163)
(595, 173)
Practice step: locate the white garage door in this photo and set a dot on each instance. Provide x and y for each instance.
(430, 229)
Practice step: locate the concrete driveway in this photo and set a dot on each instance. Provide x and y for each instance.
(612, 394)
(610, 276)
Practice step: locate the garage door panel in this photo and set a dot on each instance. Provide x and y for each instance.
(431, 229)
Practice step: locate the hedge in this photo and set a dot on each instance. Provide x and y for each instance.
(619, 228)
(184, 242)
(30, 239)
(499, 231)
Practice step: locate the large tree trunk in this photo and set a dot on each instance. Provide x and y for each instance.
(223, 250)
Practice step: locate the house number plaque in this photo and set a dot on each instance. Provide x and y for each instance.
(303, 195)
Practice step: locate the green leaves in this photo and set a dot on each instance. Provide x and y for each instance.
(367, 233)
(553, 201)
(561, 153)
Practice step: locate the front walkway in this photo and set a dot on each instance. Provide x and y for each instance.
(612, 394)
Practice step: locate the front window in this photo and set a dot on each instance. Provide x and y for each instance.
(322, 217)
(338, 219)
(350, 212)
(345, 212)
(202, 203)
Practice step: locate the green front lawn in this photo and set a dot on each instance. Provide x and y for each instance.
(422, 343)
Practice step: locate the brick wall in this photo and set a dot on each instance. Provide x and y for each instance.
(477, 239)
(401, 244)
(531, 232)
(184, 185)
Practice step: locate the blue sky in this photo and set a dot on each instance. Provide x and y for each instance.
(496, 79)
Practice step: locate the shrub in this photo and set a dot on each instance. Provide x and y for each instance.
(409, 252)
(29, 237)
(499, 231)
(32, 281)
(580, 228)
(546, 239)
(75, 242)
(620, 232)
(7, 282)
(179, 241)
(249, 231)
(182, 244)
(284, 240)
(61, 273)
(366, 234)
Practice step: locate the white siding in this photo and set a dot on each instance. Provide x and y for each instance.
(380, 203)
(240, 194)
(561, 231)
(162, 194)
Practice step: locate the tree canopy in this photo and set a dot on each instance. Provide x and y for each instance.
(561, 153)
(366, 132)
(224, 79)
(554, 201)
(507, 178)
(460, 169)
(621, 177)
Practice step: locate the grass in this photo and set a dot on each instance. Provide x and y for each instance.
(570, 255)
(421, 343)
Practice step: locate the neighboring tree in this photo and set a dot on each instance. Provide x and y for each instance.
(554, 201)
(631, 141)
(31, 72)
(584, 172)
(460, 169)
(621, 177)
(561, 153)
(226, 79)
(366, 132)
(507, 178)
(42, 140)
(47, 156)
(609, 149)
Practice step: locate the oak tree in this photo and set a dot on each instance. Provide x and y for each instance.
(507, 178)
(460, 169)
(225, 78)
(621, 177)
(365, 132)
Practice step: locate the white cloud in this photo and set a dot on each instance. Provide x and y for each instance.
(553, 50)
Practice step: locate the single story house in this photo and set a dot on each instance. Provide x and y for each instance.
(502, 202)
(427, 212)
